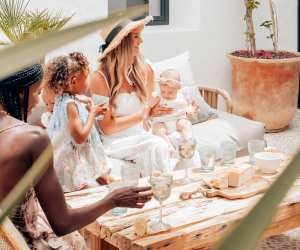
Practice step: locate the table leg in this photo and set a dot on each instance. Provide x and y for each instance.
(94, 241)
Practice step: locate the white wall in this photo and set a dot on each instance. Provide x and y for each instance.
(207, 28)
(83, 11)
(211, 28)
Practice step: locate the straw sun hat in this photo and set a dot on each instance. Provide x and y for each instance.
(114, 34)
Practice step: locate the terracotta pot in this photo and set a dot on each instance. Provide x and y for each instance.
(265, 90)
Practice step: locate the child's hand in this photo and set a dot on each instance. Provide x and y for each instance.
(100, 109)
(84, 99)
(96, 109)
(192, 109)
(195, 105)
(90, 105)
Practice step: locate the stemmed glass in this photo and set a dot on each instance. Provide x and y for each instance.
(161, 184)
(186, 149)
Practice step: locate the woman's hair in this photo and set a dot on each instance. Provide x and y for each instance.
(117, 66)
(60, 71)
(13, 86)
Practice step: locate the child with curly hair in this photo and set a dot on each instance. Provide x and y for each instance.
(80, 162)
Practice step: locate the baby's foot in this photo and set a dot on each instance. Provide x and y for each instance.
(83, 186)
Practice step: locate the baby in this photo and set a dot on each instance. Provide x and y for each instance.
(169, 126)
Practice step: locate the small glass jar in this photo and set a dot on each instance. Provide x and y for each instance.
(207, 154)
(228, 152)
(255, 146)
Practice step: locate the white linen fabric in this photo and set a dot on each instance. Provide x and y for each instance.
(135, 144)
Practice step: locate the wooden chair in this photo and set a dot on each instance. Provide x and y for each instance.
(11, 238)
(211, 96)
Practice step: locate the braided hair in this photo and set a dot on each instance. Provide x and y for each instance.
(12, 86)
(60, 70)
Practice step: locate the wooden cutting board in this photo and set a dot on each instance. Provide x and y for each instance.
(257, 185)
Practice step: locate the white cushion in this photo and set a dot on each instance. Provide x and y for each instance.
(213, 132)
(244, 128)
(228, 127)
(181, 63)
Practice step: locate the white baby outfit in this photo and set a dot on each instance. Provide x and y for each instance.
(180, 106)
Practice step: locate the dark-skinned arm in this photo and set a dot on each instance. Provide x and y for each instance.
(64, 219)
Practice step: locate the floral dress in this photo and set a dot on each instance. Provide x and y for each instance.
(77, 165)
(31, 222)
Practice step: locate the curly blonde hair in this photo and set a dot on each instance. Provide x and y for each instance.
(60, 70)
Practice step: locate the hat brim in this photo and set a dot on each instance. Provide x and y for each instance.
(123, 33)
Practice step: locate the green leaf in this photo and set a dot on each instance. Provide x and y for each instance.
(2, 43)
(12, 14)
(246, 235)
(18, 23)
(32, 50)
(266, 24)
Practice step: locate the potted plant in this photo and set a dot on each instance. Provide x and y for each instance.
(18, 23)
(264, 82)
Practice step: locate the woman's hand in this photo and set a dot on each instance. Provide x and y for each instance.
(155, 109)
(134, 197)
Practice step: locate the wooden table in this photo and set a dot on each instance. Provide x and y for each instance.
(196, 224)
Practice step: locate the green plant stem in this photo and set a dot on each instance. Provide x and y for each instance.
(274, 29)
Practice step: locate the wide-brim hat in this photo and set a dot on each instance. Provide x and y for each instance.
(114, 34)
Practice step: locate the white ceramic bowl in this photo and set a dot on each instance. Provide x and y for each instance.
(268, 162)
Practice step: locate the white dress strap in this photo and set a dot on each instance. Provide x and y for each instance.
(105, 79)
(150, 64)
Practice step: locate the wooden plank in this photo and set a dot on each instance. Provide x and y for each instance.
(124, 236)
(203, 235)
(206, 96)
(195, 223)
(179, 214)
(215, 100)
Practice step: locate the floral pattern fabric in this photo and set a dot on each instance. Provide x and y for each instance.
(77, 165)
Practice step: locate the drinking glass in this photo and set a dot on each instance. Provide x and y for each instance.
(161, 188)
(207, 155)
(228, 152)
(186, 149)
(130, 174)
(255, 146)
(112, 186)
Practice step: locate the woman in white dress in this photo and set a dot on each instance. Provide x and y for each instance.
(125, 77)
